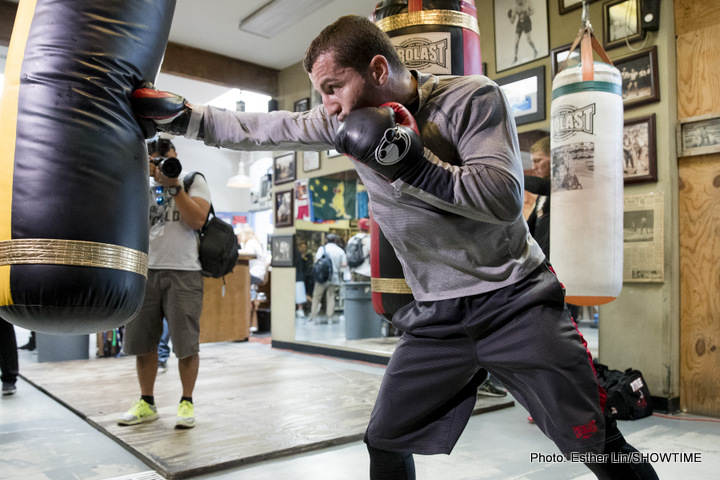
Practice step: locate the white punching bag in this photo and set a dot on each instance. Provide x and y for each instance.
(586, 236)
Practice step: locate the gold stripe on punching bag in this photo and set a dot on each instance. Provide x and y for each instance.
(42, 251)
(449, 18)
(390, 285)
(8, 127)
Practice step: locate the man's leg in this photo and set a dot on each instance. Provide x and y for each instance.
(386, 465)
(147, 366)
(189, 367)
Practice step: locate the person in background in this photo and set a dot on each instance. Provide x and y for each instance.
(164, 348)
(30, 345)
(174, 288)
(303, 277)
(250, 245)
(362, 273)
(329, 289)
(8, 358)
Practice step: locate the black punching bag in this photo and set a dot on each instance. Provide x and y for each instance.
(73, 188)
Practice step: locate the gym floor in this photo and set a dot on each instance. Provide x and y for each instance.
(57, 444)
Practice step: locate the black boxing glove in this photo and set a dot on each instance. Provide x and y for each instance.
(159, 110)
(384, 138)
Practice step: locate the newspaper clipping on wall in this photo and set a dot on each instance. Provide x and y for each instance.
(643, 238)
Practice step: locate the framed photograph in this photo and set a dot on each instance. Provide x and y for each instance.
(570, 5)
(302, 105)
(284, 208)
(639, 152)
(284, 168)
(639, 78)
(521, 32)
(699, 135)
(525, 92)
(310, 160)
(282, 248)
(621, 23)
(559, 55)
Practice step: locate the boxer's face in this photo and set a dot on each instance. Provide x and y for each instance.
(342, 89)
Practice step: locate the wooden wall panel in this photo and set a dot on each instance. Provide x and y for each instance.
(699, 223)
(695, 14)
(698, 54)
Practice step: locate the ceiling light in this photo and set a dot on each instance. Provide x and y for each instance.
(240, 180)
(277, 15)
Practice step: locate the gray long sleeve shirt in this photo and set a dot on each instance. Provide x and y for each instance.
(455, 218)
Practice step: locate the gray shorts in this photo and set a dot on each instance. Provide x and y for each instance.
(176, 295)
(522, 334)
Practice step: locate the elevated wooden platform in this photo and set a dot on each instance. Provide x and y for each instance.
(252, 403)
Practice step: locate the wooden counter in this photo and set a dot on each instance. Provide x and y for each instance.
(227, 318)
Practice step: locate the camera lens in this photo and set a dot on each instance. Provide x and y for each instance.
(170, 167)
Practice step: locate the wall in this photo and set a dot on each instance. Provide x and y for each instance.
(698, 37)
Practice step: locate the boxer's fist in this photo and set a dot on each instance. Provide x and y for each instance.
(160, 110)
(383, 138)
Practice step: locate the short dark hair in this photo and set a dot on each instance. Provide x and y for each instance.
(354, 41)
(162, 146)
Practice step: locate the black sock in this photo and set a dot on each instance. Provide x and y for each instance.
(149, 399)
(184, 399)
(386, 465)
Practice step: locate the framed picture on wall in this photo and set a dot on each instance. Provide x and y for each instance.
(521, 32)
(559, 55)
(525, 92)
(639, 152)
(282, 248)
(567, 6)
(302, 105)
(284, 168)
(310, 160)
(639, 78)
(621, 23)
(284, 208)
(699, 135)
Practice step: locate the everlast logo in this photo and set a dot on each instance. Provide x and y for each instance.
(420, 53)
(585, 431)
(567, 121)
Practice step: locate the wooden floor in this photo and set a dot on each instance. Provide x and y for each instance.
(252, 403)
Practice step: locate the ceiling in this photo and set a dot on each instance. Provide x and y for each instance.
(213, 25)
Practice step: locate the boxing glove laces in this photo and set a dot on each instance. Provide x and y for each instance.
(384, 138)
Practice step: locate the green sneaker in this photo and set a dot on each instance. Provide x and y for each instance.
(185, 415)
(140, 412)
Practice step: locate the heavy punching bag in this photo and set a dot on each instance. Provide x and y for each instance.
(73, 189)
(433, 36)
(586, 237)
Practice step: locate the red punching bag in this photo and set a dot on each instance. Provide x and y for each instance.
(73, 189)
(433, 36)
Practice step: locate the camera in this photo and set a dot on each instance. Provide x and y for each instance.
(169, 166)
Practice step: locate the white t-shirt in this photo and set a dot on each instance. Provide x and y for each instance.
(258, 265)
(173, 244)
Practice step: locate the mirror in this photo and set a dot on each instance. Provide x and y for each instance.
(337, 202)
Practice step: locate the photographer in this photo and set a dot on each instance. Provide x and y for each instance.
(174, 288)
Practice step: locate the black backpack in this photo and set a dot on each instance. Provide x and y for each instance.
(628, 396)
(218, 246)
(354, 251)
(323, 269)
